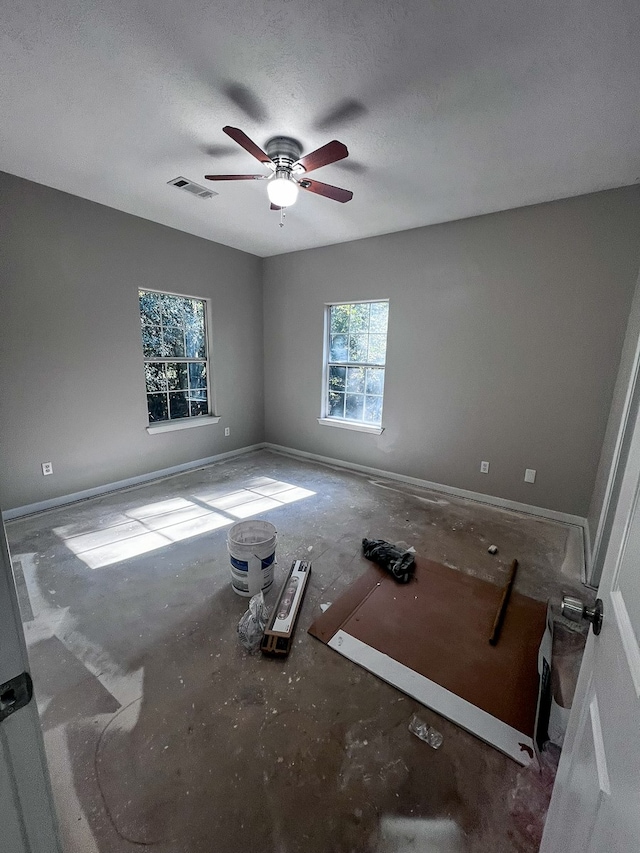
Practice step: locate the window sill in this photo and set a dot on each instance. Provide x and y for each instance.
(186, 423)
(354, 425)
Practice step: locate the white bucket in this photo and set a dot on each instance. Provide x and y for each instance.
(252, 553)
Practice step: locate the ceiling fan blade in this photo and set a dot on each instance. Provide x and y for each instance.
(248, 144)
(329, 153)
(235, 177)
(335, 193)
(275, 207)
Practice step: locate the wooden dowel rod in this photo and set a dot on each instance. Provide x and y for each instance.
(504, 601)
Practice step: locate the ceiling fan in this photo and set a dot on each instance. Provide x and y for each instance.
(288, 168)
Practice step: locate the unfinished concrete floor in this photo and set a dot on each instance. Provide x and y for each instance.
(162, 732)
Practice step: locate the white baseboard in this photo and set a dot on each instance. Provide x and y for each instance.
(130, 482)
(491, 500)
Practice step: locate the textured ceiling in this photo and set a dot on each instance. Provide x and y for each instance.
(449, 108)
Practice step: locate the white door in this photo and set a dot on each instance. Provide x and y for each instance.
(595, 805)
(27, 817)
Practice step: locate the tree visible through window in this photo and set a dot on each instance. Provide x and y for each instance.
(357, 347)
(174, 342)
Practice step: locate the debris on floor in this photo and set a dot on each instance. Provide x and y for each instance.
(425, 732)
(400, 563)
(324, 607)
(492, 549)
(254, 620)
(411, 642)
(529, 800)
(404, 546)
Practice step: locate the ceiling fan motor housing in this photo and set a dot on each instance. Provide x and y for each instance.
(284, 151)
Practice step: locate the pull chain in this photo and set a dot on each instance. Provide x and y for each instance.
(282, 215)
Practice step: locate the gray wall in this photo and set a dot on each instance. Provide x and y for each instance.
(617, 414)
(505, 336)
(504, 343)
(71, 379)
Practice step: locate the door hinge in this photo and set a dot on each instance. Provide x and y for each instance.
(15, 694)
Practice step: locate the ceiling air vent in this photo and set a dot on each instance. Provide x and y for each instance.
(190, 187)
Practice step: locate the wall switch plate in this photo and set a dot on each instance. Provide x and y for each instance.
(530, 475)
(47, 468)
(227, 431)
(484, 467)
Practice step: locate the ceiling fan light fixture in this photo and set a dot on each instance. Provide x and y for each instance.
(283, 157)
(282, 190)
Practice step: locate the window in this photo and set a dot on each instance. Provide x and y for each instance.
(176, 365)
(354, 374)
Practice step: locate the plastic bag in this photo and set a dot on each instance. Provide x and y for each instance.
(254, 621)
(425, 732)
(398, 562)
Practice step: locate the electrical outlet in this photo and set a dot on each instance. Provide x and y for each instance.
(484, 467)
(530, 475)
(47, 468)
(227, 431)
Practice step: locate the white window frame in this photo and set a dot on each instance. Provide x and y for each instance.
(174, 424)
(344, 423)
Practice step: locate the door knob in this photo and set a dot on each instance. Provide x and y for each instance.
(575, 611)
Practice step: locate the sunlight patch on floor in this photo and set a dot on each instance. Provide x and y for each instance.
(419, 835)
(259, 497)
(150, 527)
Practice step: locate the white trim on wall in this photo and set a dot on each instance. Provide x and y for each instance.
(358, 427)
(119, 485)
(491, 500)
(186, 423)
